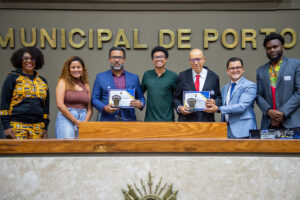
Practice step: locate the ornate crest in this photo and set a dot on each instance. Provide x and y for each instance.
(160, 192)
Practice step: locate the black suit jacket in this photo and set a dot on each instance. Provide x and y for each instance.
(185, 83)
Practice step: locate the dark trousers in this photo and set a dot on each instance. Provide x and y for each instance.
(1, 131)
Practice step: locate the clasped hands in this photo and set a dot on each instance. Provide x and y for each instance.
(276, 116)
(111, 109)
(211, 107)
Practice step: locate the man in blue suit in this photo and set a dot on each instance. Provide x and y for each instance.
(116, 78)
(238, 98)
(278, 87)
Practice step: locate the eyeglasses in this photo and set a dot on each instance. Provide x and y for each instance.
(158, 57)
(195, 59)
(117, 57)
(28, 58)
(235, 68)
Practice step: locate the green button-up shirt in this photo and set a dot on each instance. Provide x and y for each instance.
(160, 93)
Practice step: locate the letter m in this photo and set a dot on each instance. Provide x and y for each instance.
(8, 37)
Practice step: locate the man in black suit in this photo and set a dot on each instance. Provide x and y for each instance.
(198, 78)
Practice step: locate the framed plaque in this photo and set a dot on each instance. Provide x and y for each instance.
(195, 100)
(121, 97)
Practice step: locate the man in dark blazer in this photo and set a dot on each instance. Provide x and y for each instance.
(116, 78)
(278, 87)
(207, 81)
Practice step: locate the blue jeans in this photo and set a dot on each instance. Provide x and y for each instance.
(64, 128)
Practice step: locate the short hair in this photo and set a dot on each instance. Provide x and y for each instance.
(17, 57)
(273, 36)
(234, 59)
(118, 49)
(159, 48)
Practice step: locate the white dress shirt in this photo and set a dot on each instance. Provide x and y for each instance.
(203, 75)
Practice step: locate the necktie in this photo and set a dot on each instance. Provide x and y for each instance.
(232, 88)
(197, 82)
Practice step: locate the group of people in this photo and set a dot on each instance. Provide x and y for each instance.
(25, 94)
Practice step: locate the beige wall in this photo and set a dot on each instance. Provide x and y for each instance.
(148, 23)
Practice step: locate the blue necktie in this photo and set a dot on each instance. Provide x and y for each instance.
(232, 88)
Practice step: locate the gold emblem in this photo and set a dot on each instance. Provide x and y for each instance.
(164, 192)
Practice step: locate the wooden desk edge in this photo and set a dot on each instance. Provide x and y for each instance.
(54, 146)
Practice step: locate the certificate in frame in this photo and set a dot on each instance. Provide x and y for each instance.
(195, 100)
(121, 98)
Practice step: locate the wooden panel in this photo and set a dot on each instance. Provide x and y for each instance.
(147, 146)
(151, 130)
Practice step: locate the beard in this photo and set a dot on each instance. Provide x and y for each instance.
(277, 58)
(116, 68)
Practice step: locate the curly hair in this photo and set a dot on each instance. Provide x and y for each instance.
(66, 75)
(17, 57)
(159, 48)
(273, 36)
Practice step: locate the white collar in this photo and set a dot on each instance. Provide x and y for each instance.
(203, 73)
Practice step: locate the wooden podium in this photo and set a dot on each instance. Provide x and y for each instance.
(152, 130)
(150, 137)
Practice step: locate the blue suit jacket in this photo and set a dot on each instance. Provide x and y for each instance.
(240, 108)
(287, 94)
(100, 96)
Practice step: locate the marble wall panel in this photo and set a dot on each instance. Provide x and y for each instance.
(86, 177)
